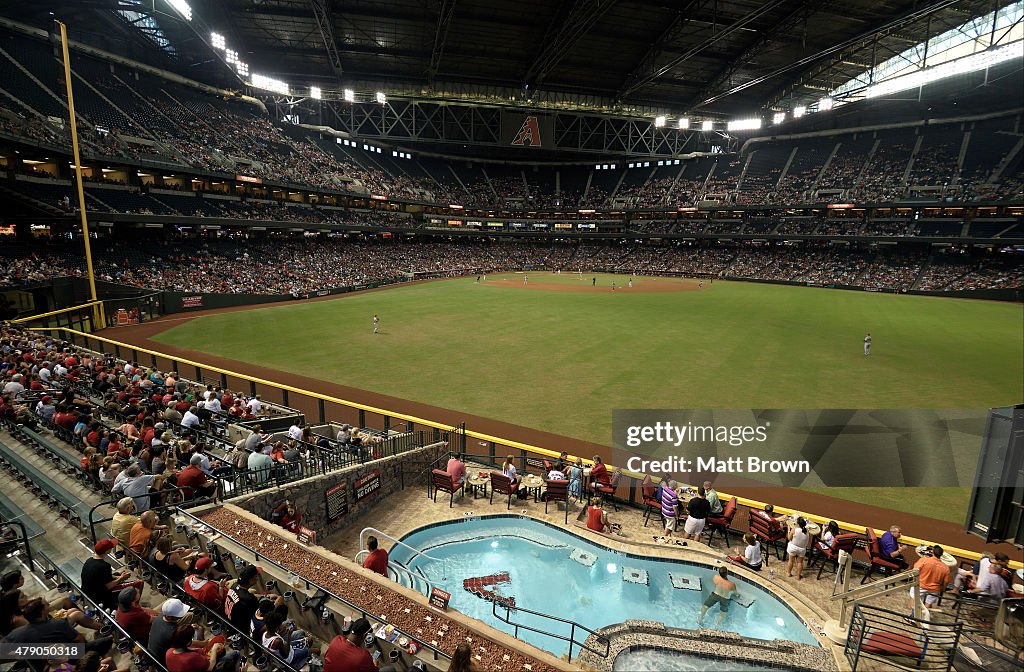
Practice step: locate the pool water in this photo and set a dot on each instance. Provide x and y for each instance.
(533, 562)
(659, 660)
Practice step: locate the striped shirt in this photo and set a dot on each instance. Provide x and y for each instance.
(669, 502)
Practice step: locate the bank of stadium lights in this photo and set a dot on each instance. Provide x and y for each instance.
(381, 98)
(825, 104)
(778, 118)
(231, 56)
(270, 84)
(799, 111)
(217, 41)
(707, 125)
(182, 8)
(684, 123)
(314, 92)
(659, 121)
(751, 124)
(350, 96)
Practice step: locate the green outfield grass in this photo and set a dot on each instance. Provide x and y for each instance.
(561, 361)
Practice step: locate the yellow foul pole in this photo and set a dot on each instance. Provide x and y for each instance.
(97, 309)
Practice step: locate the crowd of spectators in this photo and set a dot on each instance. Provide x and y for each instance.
(301, 265)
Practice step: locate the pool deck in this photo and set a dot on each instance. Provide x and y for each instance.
(410, 509)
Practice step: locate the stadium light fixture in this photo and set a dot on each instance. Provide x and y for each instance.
(217, 40)
(825, 104)
(706, 125)
(182, 8)
(270, 84)
(231, 56)
(381, 98)
(314, 92)
(684, 123)
(778, 118)
(350, 96)
(744, 124)
(242, 68)
(799, 111)
(659, 121)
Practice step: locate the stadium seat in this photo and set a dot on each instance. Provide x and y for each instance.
(557, 491)
(443, 482)
(650, 498)
(721, 523)
(503, 484)
(877, 561)
(607, 492)
(842, 542)
(766, 529)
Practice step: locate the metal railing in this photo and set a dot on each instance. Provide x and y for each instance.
(167, 507)
(258, 557)
(496, 446)
(366, 531)
(52, 571)
(23, 540)
(571, 638)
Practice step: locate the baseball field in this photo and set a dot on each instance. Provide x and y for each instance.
(559, 353)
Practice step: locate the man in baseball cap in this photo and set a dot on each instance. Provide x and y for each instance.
(173, 613)
(204, 589)
(98, 579)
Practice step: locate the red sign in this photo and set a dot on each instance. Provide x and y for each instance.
(840, 206)
(439, 599)
(192, 301)
(367, 485)
(305, 536)
(529, 133)
(248, 178)
(378, 197)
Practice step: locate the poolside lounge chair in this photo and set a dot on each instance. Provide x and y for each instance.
(606, 492)
(723, 522)
(875, 555)
(557, 491)
(650, 497)
(842, 542)
(504, 485)
(767, 530)
(443, 482)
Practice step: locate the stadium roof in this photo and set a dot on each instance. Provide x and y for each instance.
(727, 57)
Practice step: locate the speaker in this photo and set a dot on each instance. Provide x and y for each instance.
(996, 511)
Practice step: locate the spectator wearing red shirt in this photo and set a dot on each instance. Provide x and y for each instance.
(456, 469)
(192, 480)
(377, 560)
(202, 588)
(131, 616)
(345, 654)
(181, 658)
(599, 472)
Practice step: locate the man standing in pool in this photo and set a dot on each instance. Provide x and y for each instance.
(723, 593)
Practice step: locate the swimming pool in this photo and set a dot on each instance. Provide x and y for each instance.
(549, 570)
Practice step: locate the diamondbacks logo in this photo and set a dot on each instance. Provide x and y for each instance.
(529, 133)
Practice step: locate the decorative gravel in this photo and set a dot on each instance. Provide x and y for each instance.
(428, 626)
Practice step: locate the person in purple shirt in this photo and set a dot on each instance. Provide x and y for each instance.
(670, 507)
(890, 548)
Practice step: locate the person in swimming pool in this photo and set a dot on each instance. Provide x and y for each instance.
(724, 592)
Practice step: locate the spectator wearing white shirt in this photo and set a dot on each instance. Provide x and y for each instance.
(45, 409)
(255, 405)
(213, 404)
(44, 373)
(295, 432)
(59, 370)
(15, 388)
(190, 419)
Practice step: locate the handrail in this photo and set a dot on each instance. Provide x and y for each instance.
(263, 559)
(173, 505)
(960, 552)
(23, 539)
(100, 612)
(572, 634)
(367, 530)
(174, 588)
(21, 320)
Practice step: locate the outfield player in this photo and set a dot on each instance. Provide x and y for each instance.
(526, 280)
(631, 283)
(376, 324)
(867, 344)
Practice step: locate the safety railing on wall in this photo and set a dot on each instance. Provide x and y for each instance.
(547, 631)
(262, 559)
(529, 457)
